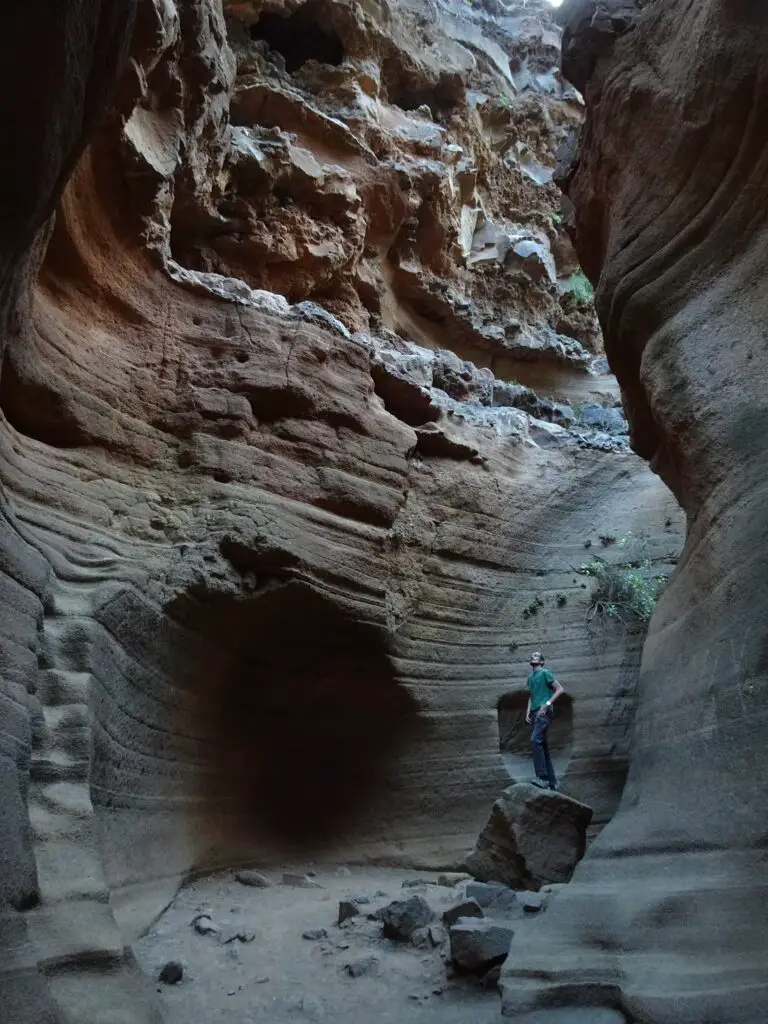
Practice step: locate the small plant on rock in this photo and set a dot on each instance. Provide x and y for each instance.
(580, 289)
(533, 608)
(624, 593)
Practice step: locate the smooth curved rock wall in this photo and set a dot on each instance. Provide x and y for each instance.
(664, 917)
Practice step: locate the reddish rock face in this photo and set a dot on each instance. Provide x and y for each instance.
(669, 185)
(277, 525)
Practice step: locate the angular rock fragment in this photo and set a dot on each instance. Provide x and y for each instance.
(420, 938)
(313, 934)
(477, 945)
(531, 902)
(533, 836)
(483, 892)
(467, 908)
(402, 917)
(451, 878)
(491, 896)
(347, 910)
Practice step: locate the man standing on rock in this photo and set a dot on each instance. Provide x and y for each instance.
(544, 690)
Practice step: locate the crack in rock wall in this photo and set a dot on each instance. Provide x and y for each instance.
(302, 414)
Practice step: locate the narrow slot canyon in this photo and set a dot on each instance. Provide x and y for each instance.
(368, 372)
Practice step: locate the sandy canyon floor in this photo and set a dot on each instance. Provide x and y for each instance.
(280, 976)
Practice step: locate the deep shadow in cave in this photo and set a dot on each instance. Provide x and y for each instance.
(302, 710)
(301, 36)
(37, 410)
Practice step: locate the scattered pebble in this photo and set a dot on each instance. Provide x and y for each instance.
(253, 878)
(203, 925)
(241, 935)
(171, 973)
(357, 968)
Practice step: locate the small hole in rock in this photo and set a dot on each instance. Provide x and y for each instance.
(302, 36)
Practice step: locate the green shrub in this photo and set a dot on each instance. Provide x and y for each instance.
(579, 287)
(625, 592)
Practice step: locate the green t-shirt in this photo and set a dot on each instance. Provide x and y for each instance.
(540, 684)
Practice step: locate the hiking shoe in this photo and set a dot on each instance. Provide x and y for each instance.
(540, 783)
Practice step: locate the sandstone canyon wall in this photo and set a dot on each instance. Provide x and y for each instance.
(664, 918)
(305, 435)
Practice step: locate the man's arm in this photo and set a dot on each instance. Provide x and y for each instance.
(528, 711)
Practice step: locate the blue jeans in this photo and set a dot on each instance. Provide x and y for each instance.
(542, 762)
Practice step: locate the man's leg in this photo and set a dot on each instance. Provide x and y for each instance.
(551, 777)
(538, 747)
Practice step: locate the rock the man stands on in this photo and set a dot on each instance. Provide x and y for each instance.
(544, 690)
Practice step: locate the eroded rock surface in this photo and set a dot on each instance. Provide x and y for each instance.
(276, 525)
(669, 186)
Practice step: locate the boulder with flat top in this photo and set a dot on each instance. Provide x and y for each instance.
(533, 836)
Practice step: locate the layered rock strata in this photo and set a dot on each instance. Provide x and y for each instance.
(664, 917)
(272, 546)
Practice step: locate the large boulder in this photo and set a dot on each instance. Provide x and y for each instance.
(533, 836)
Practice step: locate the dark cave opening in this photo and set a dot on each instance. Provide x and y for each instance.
(302, 710)
(403, 399)
(409, 89)
(299, 37)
